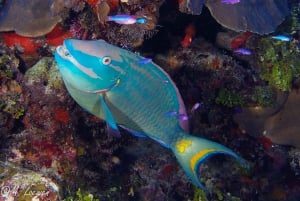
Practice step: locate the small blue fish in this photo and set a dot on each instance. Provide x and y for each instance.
(170, 114)
(126, 19)
(106, 81)
(230, 1)
(242, 51)
(282, 38)
(181, 117)
(141, 20)
(144, 61)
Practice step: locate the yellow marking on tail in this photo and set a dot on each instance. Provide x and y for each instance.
(183, 144)
(118, 81)
(199, 155)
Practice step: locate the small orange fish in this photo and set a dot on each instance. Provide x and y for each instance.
(92, 2)
(190, 32)
(240, 40)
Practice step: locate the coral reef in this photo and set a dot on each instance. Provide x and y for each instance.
(258, 17)
(12, 106)
(21, 184)
(132, 36)
(272, 14)
(253, 118)
(279, 62)
(229, 99)
(28, 18)
(43, 141)
(38, 143)
(80, 196)
(150, 179)
(294, 154)
(282, 128)
(264, 96)
(31, 46)
(248, 103)
(32, 18)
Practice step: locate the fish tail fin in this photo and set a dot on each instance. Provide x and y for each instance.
(191, 151)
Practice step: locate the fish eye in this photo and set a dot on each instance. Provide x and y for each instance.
(106, 60)
(66, 53)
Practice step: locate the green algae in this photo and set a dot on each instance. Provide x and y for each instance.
(280, 63)
(6, 72)
(11, 91)
(229, 98)
(12, 107)
(264, 96)
(81, 196)
(294, 18)
(219, 195)
(55, 80)
(199, 195)
(24, 185)
(45, 72)
(292, 23)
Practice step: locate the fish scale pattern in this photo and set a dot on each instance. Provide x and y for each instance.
(156, 88)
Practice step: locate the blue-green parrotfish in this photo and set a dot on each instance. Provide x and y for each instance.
(108, 82)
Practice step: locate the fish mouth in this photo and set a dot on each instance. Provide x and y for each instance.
(63, 52)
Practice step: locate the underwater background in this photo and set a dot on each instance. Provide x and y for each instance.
(236, 64)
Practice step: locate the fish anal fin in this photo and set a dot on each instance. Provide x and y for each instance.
(112, 131)
(133, 132)
(161, 142)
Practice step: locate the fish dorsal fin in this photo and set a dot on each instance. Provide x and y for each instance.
(112, 127)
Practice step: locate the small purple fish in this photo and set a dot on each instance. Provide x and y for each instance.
(242, 51)
(141, 20)
(173, 113)
(144, 61)
(230, 1)
(182, 117)
(238, 110)
(195, 107)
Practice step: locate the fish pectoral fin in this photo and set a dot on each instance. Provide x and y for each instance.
(112, 127)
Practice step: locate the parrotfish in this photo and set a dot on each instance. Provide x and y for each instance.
(106, 81)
